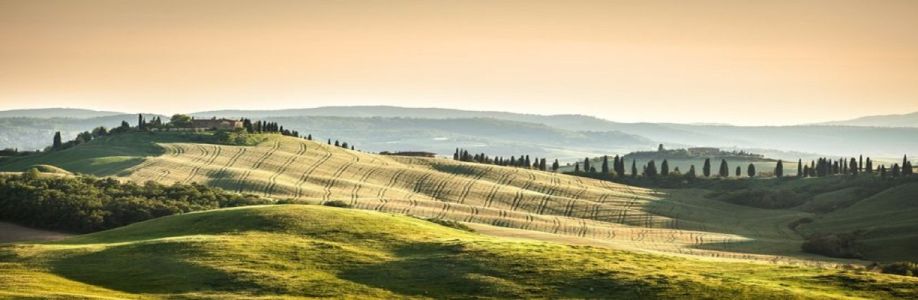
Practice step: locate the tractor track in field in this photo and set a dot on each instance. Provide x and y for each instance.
(337, 175)
(206, 159)
(307, 173)
(503, 180)
(468, 187)
(230, 163)
(272, 181)
(355, 193)
(258, 163)
(518, 198)
(381, 195)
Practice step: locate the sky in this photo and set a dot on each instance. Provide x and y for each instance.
(736, 61)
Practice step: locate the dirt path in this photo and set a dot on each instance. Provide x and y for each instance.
(10, 232)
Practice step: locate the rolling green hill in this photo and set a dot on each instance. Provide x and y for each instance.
(681, 222)
(314, 251)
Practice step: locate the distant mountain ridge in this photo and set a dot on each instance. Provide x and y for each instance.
(75, 113)
(900, 120)
(830, 140)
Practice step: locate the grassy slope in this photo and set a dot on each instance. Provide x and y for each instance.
(315, 251)
(680, 221)
(888, 220)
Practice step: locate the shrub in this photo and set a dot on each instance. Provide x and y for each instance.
(841, 245)
(337, 203)
(904, 268)
(450, 223)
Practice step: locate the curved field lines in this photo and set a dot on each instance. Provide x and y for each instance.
(474, 193)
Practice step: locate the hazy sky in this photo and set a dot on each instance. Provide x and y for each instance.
(744, 62)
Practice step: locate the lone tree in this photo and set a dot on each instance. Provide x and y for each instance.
(664, 168)
(724, 169)
(180, 121)
(651, 169)
(691, 172)
(706, 169)
(56, 144)
(605, 164)
(852, 166)
(779, 169)
(750, 170)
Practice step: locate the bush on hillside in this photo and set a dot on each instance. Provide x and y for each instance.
(337, 203)
(840, 245)
(904, 268)
(450, 223)
(87, 204)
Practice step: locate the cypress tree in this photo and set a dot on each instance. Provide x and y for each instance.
(724, 169)
(691, 172)
(586, 164)
(576, 167)
(140, 121)
(852, 166)
(56, 143)
(750, 170)
(706, 169)
(456, 154)
(605, 164)
(664, 168)
(555, 165)
(779, 169)
(868, 166)
(633, 168)
(800, 172)
(542, 164)
(651, 169)
(860, 164)
(739, 171)
(895, 170)
(309, 137)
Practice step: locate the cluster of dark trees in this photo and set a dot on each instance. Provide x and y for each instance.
(87, 204)
(344, 145)
(267, 127)
(825, 167)
(523, 161)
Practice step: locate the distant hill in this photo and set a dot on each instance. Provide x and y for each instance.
(903, 120)
(75, 113)
(829, 140)
(34, 133)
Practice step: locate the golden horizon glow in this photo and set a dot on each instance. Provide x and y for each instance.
(740, 62)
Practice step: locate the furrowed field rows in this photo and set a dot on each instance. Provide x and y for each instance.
(437, 188)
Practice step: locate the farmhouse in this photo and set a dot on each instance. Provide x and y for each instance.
(215, 124)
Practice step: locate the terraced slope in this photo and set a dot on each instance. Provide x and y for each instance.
(315, 251)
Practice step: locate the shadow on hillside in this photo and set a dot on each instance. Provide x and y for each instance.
(454, 271)
(147, 268)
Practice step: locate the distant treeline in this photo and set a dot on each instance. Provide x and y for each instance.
(177, 121)
(523, 161)
(86, 204)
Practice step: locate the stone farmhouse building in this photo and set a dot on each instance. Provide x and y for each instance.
(215, 124)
